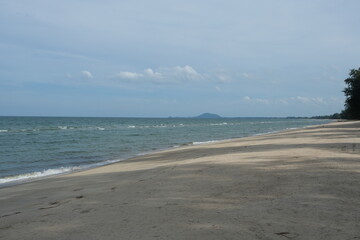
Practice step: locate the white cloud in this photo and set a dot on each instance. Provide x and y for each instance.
(151, 73)
(187, 71)
(87, 74)
(296, 102)
(223, 78)
(319, 100)
(309, 100)
(260, 100)
(257, 100)
(220, 75)
(301, 99)
(293, 100)
(130, 75)
(174, 75)
(246, 75)
(283, 101)
(247, 98)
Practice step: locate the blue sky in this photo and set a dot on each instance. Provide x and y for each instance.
(176, 58)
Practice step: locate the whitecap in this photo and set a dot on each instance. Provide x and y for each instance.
(161, 126)
(51, 172)
(33, 175)
(219, 124)
(206, 142)
(3, 130)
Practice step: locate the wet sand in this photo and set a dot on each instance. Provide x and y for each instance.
(297, 184)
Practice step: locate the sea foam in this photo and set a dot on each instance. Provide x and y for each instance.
(51, 172)
(39, 174)
(206, 142)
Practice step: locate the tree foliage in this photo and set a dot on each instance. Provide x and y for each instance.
(333, 116)
(352, 94)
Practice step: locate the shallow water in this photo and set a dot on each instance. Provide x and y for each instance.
(32, 147)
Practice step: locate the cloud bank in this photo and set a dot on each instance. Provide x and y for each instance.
(172, 75)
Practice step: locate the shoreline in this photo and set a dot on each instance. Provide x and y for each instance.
(296, 184)
(80, 168)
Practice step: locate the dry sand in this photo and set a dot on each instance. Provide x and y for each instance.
(298, 184)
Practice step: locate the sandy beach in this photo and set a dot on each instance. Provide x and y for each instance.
(296, 184)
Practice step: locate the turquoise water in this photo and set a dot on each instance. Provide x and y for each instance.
(32, 147)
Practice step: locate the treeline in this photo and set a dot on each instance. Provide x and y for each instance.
(333, 116)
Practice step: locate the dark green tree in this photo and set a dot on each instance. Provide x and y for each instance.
(352, 94)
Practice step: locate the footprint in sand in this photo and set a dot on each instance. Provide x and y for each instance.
(51, 205)
(11, 214)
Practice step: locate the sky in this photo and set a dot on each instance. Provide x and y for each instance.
(140, 58)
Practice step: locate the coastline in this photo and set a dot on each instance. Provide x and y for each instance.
(298, 183)
(64, 170)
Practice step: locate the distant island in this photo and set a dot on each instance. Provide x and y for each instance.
(208, 115)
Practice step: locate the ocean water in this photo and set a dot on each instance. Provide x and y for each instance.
(33, 147)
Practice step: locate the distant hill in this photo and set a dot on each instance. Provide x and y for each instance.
(208, 115)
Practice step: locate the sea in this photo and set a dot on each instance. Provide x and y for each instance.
(36, 147)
